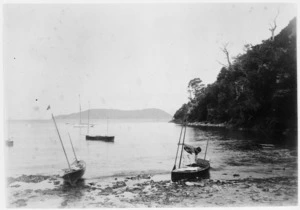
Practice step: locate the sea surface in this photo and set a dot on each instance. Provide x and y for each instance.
(141, 147)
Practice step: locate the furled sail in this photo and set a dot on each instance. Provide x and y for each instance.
(190, 149)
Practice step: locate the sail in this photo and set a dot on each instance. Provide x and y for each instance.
(190, 149)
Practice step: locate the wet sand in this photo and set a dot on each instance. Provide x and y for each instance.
(150, 191)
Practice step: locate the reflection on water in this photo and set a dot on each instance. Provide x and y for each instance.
(141, 147)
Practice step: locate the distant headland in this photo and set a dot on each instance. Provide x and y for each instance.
(119, 114)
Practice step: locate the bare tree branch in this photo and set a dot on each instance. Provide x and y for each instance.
(274, 26)
(226, 52)
(221, 63)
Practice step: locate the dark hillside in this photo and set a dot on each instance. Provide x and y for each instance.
(258, 91)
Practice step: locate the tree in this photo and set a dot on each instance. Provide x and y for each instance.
(195, 88)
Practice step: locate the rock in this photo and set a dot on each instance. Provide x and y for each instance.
(200, 184)
(20, 203)
(236, 175)
(28, 191)
(64, 203)
(16, 185)
(56, 182)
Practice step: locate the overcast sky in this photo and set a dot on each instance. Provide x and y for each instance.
(121, 56)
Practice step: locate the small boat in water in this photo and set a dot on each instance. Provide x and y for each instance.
(199, 169)
(100, 138)
(80, 124)
(105, 138)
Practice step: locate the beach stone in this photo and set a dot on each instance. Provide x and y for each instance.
(56, 182)
(28, 191)
(20, 202)
(200, 184)
(189, 183)
(64, 203)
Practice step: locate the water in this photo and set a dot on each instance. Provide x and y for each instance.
(140, 147)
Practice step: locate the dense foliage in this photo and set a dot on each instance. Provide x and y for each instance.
(258, 90)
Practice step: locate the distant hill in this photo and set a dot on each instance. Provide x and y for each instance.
(119, 114)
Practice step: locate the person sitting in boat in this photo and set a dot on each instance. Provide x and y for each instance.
(192, 150)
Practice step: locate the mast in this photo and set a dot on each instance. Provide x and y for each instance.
(177, 148)
(79, 110)
(185, 122)
(88, 119)
(106, 126)
(72, 147)
(182, 144)
(61, 141)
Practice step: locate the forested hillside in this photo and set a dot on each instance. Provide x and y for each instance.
(257, 90)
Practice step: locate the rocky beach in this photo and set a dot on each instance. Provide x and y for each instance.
(151, 191)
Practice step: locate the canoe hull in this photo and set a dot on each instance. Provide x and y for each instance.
(73, 176)
(100, 138)
(203, 173)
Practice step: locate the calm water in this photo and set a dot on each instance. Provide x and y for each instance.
(139, 147)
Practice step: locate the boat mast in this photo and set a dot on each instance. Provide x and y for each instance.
(106, 126)
(88, 119)
(182, 143)
(79, 110)
(72, 147)
(177, 148)
(185, 122)
(61, 141)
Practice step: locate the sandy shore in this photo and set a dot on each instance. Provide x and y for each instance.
(147, 191)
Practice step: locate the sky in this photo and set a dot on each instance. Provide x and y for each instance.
(122, 56)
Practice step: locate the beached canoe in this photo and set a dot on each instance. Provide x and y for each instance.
(75, 172)
(197, 170)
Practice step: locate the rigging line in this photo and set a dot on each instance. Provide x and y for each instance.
(72, 147)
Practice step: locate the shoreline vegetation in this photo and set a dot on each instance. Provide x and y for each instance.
(256, 91)
(288, 136)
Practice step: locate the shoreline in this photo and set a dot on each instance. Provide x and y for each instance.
(146, 190)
